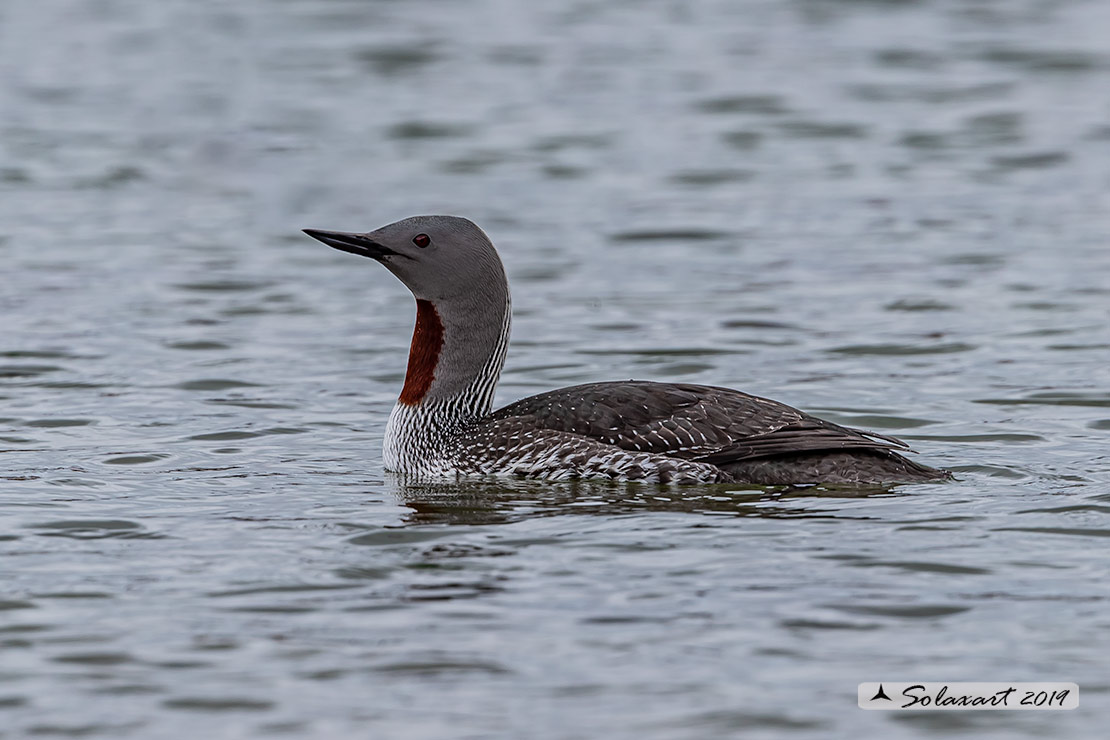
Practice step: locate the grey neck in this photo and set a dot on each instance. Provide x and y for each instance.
(475, 339)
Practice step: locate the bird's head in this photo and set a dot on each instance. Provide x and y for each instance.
(439, 258)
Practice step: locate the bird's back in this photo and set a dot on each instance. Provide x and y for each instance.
(706, 425)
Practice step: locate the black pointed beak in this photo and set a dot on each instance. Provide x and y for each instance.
(354, 243)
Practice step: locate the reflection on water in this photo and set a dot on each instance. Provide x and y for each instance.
(508, 501)
(892, 214)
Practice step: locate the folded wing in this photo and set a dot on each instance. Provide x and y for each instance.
(691, 422)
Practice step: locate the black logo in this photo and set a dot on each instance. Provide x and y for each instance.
(880, 694)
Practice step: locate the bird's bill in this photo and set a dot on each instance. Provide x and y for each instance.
(359, 244)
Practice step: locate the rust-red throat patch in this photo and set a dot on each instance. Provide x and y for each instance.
(427, 341)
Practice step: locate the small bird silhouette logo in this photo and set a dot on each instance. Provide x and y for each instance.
(880, 694)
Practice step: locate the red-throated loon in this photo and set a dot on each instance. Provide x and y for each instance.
(443, 423)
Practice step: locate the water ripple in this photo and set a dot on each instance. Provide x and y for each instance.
(892, 213)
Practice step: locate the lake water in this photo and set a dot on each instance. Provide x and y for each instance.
(891, 214)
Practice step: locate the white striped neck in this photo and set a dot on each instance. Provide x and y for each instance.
(455, 360)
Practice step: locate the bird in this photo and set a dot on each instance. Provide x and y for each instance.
(443, 425)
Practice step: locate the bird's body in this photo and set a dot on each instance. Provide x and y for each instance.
(443, 425)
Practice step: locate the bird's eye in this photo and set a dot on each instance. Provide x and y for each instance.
(421, 240)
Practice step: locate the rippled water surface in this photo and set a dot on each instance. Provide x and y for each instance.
(892, 214)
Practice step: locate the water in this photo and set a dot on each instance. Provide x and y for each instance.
(891, 214)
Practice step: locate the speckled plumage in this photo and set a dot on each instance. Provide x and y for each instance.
(624, 430)
(664, 433)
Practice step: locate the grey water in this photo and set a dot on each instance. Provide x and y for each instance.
(891, 214)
